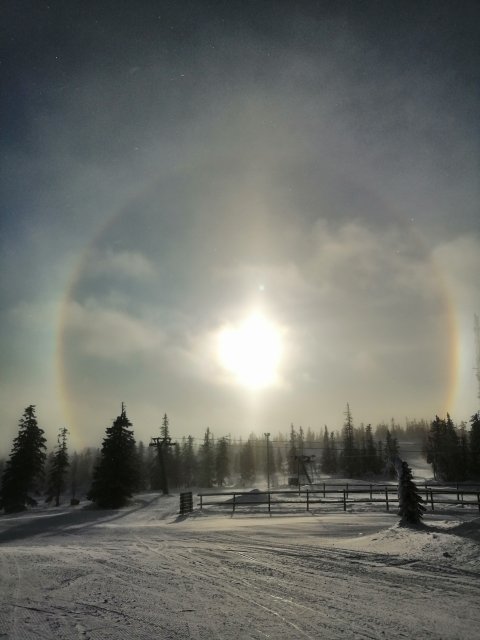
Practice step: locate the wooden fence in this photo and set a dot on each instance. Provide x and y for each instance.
(343, 494)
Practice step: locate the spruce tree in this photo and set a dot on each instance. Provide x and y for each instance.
(451, 470)
(443, 450)
(362, 450)
(24, 469)
(58, 468)
(247, 463)
(73, 478)
(474, 448)
(189, 463)
(327, 453)
(390, 452)
(175, 468)
(164, 454)
(372, 462)
(411, 507)
(350, 453)
(333, 453)
(222, 461)
(433, 448)
(207, 461)
(292, 451)
(116, 474)
(142, 466)
(463, 453)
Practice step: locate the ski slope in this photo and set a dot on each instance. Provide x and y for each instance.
(144, 572)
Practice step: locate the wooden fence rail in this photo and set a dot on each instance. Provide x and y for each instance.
(346, 495)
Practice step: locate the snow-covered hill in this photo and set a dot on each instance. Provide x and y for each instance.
(144, 572)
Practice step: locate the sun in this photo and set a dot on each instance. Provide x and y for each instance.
(251, 351)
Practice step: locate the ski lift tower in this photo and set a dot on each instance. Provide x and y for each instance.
(161, 444)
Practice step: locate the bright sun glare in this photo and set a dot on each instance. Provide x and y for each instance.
(251, 351)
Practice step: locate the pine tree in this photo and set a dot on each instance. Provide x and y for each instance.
(443, 450)
(222, 461)
(463, 453)
(24, 469)
(474, 446)
(371, 457)
(80, 472)
(326, 462)
(175, 468)
(162, 471)
(411, 507)
(189, 463)
(390, 452)
(73, 478)
(116, 474)
(292, 452)
(164, 454)
(361, 449)
(350, 453)
(142, 466)
(58, 468)
(247, 463)
(433, 446)
(451, 457)
(333, 453)
(207, 460)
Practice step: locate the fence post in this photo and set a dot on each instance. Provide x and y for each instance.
(308, 503)
(201, 501)
(458, 495)
(371, 497)
(426, 491)
(431, 500)
(324, 490)
(344, 501)
(478, 499)
(186, 502)
(386, 498)
(233, 509)
(269, 502)
(347, 489)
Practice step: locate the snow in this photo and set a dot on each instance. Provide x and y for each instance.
(146, 572)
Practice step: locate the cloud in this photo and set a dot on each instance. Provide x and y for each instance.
(121, 264)
(459, 260)
(110, 334)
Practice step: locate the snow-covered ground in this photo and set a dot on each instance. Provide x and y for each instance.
(144, 572)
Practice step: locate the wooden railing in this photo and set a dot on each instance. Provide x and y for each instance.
(343, 494)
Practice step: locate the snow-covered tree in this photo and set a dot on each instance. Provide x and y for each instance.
(474, 442)
(24, 469)
(411, 506)
(222, 461)
(189, 463)
(207, 460)
(390, 451)
(349, 457)
(247, 463)
(116, 474)
(58, 468)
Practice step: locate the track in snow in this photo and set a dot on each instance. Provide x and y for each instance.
(140, 573)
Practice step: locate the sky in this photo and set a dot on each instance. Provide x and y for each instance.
(176, 172)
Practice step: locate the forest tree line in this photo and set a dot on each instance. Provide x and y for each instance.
(122, 466)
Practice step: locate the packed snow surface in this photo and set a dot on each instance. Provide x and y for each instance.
(144, 572)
